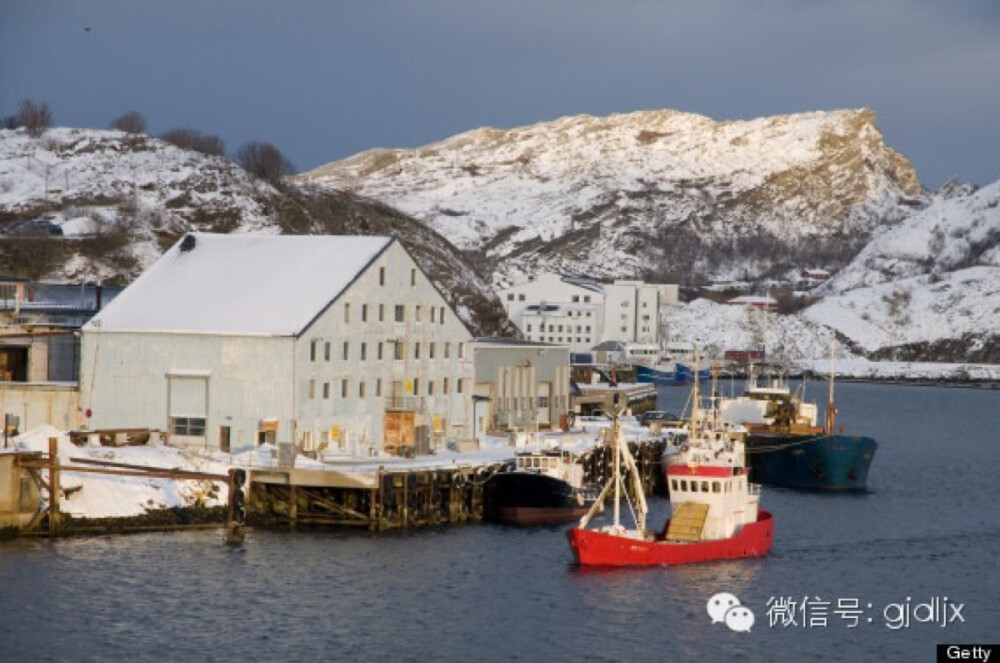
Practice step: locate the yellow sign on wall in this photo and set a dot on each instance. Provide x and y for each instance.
(409, 386)
(334, 432)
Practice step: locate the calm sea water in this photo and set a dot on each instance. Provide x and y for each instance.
(930, 527)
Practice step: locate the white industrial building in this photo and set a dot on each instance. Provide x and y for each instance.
(334, 342)
(581, 312)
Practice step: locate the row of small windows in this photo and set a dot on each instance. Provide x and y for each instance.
(398, 350)
(436, 313)
(569, 328)
(586, 299)
(684, 486)
(345, 390)
(559, 339)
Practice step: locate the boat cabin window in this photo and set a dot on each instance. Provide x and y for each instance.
(704, 486)
(684, 485)
(716, 487)
(673, 484)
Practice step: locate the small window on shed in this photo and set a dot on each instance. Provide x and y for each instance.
(347, 312)
(326, 351)
(433, 311)
(416, 313)
(381, 275)
(312, 350)
(326, 390)
(364, 313)
(381, 312)
(347, 347)
(400, 313)
(413, 276)
(343, 388)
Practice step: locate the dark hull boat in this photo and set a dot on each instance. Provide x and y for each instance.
(810, 461)
(529, 498)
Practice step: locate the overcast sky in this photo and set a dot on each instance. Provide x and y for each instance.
(324, 79)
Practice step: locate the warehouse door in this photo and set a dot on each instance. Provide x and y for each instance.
(188, 409)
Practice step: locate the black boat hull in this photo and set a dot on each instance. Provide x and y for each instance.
(811, 462)
(527, 498)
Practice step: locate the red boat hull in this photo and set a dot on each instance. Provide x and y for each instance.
(593, 548)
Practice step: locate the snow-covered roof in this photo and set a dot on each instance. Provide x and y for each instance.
(240, 284)
(753, 300)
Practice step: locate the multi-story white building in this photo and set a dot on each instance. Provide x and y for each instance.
(581, 313)
(328, 341)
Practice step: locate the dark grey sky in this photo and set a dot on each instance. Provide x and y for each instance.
(324, 79)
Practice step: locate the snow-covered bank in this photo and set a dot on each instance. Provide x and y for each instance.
(88, 495)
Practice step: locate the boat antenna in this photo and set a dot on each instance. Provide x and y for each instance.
(694, 394)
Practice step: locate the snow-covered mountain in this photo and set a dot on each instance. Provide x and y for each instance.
(87, 205)
(648, 193)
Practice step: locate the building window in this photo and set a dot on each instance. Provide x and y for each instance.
(380, 350)
(510, 297)
(430, 351)
(378, 387)
(312, 389)
(364, 351)
(576, 299)
(364, 313)
(430, 388)
(312, 350)
(381, 275)
(347, 348)
(343, 388)
(458, 385)
(541, 327)
(326, 350)
(381, 312)
(444, 386)
(447, 350)
(400, 313)
(413, 277)
(520, 298)
(326, 390)
(560, 328)
(588, 329)
(416, 350)
(187, 426)
(398, 350)
(416, 312)
(361, 389)
(586, 299)
(543, 401)
(432, 314)
(461, 350)
(416, 386)
(529, 327)
(347, 312)
(441, 316)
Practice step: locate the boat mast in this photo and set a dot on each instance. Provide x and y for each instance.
(617, 432)
(831, 410)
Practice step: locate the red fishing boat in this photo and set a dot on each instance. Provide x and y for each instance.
(716, 512)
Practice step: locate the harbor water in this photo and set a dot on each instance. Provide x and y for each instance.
(926, 534)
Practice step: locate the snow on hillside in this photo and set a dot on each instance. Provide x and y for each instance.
(935, 277)
(720, 327)
(90, 182)
(618, 195)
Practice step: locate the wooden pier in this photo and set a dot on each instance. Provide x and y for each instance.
(388, 499)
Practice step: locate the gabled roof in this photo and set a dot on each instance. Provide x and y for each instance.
(270, 285)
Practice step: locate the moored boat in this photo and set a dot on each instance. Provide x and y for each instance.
(544, 487)
(715, 511)
(786, 447)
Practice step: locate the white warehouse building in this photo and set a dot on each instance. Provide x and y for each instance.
(582, 312)
(333, 342)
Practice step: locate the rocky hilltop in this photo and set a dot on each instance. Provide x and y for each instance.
(653, 193)
(89, 205)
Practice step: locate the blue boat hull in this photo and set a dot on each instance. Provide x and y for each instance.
(811, 462)
(653, 376)
(683, 375)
